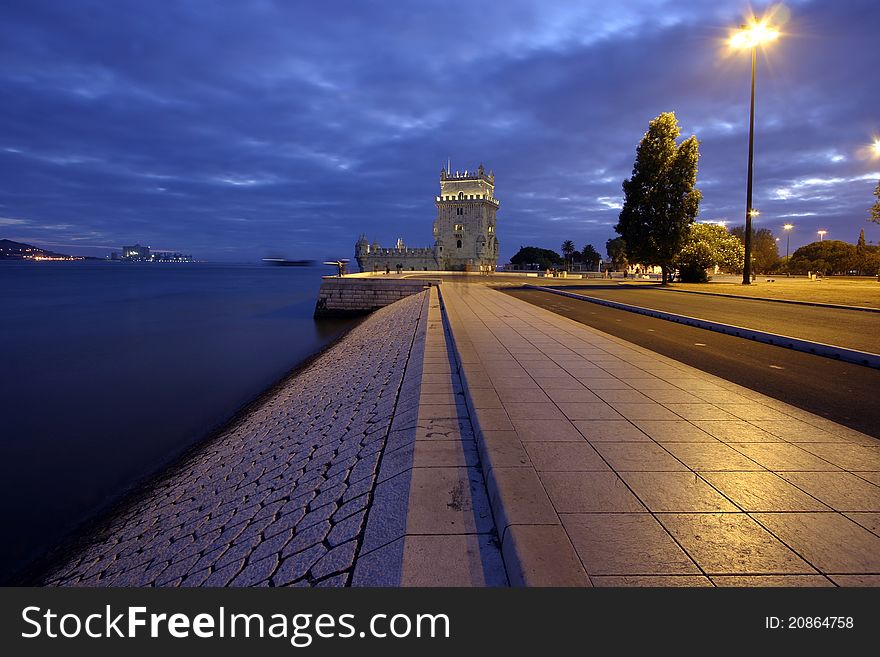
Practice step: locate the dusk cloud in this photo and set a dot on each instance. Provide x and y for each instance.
(235, 130)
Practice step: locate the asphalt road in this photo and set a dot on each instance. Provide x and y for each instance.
(842, 392)
(854, 329)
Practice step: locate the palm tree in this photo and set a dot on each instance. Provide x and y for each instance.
(567, 252)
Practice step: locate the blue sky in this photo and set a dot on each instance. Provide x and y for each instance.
(236, 130)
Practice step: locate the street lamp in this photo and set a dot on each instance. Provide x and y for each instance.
(749, 37)
(822, 234)
(787, 228)
(875, 147)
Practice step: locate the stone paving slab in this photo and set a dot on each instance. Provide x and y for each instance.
(611, 465)
(280, 498)
(433, 526)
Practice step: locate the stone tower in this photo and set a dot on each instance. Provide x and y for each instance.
(464, 230)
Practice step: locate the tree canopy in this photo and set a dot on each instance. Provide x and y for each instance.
(616, 250)
(567, 251)
(875, 209)
(590, 256)
(765, 250)
(661, 201)
(708, 245)
(825, 257)
(533, 255)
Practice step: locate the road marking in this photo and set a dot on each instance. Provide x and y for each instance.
(777, 367)
(699, 344)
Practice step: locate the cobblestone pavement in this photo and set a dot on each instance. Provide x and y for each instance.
(278, 499)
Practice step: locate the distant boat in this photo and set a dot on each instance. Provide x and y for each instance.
(284, 262)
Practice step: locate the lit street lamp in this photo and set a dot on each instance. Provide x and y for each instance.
(875, 147)
(822, 234)
(787, 228)
(750, 36)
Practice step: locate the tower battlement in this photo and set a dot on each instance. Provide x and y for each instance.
(464, 230)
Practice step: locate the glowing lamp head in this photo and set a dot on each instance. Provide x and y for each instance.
(875, 147)
(753, 34)
(788, 226)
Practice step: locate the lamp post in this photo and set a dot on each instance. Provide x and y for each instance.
(787, 228)
(822, 234)
(749, 37)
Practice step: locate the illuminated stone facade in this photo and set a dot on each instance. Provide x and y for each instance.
(465, 237)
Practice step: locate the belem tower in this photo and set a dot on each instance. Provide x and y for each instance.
(464, 230)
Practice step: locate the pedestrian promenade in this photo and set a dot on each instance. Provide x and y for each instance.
(610, 465)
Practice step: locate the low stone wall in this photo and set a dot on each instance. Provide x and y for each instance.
(339, 297)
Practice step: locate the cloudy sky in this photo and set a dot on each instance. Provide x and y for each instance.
(239, 129)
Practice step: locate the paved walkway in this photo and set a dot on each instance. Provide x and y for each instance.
(608, 464)
(430, 521)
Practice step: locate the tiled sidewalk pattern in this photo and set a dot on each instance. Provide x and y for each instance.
(611, 465)
(445, 534)
(281, 497)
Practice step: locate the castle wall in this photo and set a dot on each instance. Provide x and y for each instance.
(382, 260)
(465, 237)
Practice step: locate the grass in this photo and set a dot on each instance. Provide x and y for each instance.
(839, 290)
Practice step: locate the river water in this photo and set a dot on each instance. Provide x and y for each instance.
(109, 371)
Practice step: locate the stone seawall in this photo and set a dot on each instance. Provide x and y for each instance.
(279, 498)
(339, 297)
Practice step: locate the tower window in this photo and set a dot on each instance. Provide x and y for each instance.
(458, 244)
(491, 229)
(459, 228)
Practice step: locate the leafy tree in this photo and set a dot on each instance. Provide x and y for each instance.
(567, 251)
(590, 256)
(661, 201)
(861, 253)
(825, 256)
(765, 250)
(616, 250)
(532, 255)
(867, 256)
(708, 245)
(875, 209)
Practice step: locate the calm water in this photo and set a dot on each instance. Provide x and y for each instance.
(110, 370)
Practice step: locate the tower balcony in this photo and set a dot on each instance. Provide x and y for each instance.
(472, 198)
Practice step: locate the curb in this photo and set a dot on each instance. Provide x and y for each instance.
(816, 348)
(379, 560)
(526, 547)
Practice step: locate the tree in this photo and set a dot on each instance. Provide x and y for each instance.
(568, 251)
(867, 256)
(532, 255)
(616, 250)
(825, 257)
(861, 253)
(590, 256)
(661, 201)
(765, 250)
(875, 209)
(708, 245)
